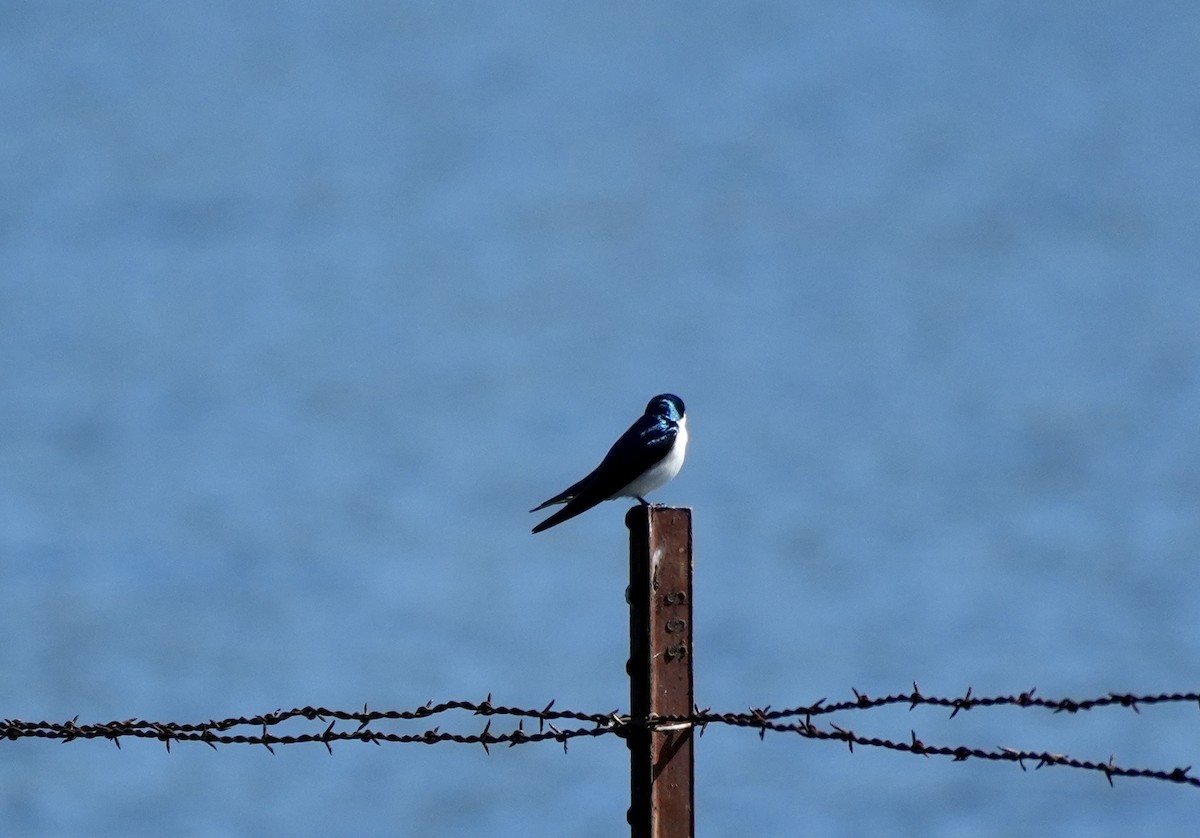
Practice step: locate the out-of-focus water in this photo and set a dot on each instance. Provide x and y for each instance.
(303, 307)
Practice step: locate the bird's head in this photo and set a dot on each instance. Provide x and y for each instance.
(666, 404)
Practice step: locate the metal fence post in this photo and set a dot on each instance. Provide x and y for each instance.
(662, 770)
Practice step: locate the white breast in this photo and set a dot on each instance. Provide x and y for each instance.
(663, 471)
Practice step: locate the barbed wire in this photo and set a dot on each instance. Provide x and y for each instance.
(968, 701)
(796, 720)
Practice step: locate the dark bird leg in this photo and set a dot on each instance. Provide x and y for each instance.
(642, 500)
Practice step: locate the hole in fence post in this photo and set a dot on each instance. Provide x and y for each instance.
(662, 770)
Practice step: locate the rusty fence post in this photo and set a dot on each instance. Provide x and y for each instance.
(662, 768)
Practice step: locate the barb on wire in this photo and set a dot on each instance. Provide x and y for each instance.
(259, 730)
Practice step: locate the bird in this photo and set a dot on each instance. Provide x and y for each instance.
(646, 457)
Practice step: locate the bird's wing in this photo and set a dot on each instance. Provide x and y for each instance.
(645, 443)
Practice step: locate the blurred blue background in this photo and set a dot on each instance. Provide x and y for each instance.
(303, 306)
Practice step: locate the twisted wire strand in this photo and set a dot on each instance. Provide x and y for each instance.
(796, 720)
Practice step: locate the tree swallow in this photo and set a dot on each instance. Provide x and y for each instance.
(647, 456)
